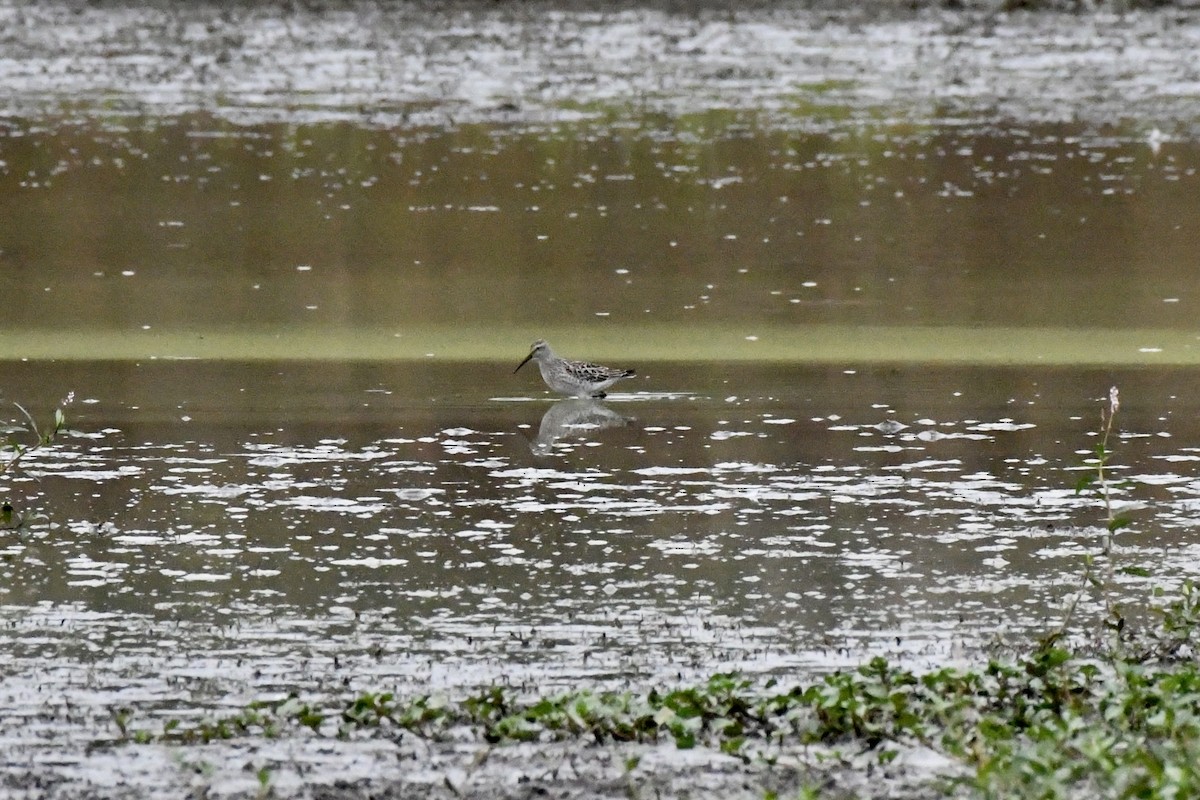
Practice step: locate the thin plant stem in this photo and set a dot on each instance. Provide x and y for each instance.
(19, 451)
(1098, 480)
(1106, 425)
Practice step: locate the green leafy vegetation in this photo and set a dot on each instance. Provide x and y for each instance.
(262, 718)
(1051, 723)
(21, 439)
(1096, 477)
(13, 449)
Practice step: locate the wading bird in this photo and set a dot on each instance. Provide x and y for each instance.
(574, 378)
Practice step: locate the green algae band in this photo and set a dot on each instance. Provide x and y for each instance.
(792, 344)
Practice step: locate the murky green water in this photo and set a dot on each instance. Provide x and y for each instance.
(802, 502)
(869, 362)
(698, 239)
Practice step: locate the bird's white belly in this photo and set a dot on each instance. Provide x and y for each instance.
(561, 382)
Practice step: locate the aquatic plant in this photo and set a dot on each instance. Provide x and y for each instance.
(264, 718)
(263, 774)
(1096, 477)
(12, 451)
(1050, 723)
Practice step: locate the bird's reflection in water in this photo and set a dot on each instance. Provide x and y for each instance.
(575, 417)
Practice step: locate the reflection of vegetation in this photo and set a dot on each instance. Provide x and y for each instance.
(1049, 724)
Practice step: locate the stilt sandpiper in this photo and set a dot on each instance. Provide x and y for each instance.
(575, 378)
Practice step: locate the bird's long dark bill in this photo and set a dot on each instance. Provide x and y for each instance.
(523, 363)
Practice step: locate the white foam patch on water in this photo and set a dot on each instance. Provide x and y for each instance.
(341, 505)
(269, 455)
(930, 465)
(1161, 480)
(223, 491)
(744, 467)
(763, 494)
(539, 474)
(370, 563)
(1002, 425)
(934, 436)
(657, 471)
(138, 539)
(678, 547)
(196, 577)
(415, 494)
(73, 472)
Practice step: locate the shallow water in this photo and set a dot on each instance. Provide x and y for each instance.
(299, 459)
(717, 238)
(872, 348)
(214, 533)
(783, 508)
